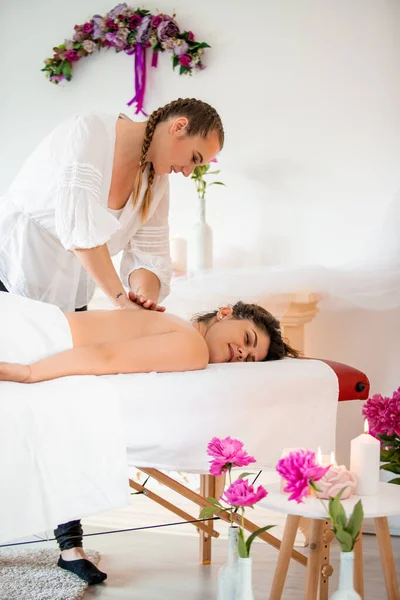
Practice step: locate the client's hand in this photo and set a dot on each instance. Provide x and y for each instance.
(145, 302)
(14, 372)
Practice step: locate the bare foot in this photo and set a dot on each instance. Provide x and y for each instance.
(74, 554)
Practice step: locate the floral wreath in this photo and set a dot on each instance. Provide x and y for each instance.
(131, 31)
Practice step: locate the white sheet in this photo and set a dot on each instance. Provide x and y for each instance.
(170, 417)
(62, 455)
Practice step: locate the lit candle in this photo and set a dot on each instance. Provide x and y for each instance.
(364, 462)
(324, 460)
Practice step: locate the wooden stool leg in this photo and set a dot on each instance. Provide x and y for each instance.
(314, 559)
(284, 556)
(359, 566)
(387, 559)
(326, 567)
(207, 490)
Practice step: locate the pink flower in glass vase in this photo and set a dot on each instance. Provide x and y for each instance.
(241, 493)
(300, 470)
(227, 453)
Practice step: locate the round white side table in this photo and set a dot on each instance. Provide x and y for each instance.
(384, 504)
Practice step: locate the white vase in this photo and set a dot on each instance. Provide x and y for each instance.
(228, 574)
(394, 522)
(245, 584)
(346, 589)
(202, 242)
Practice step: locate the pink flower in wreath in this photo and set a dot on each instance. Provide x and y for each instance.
(87, 27)
(241, 493)
(57, 78)
(181, 48)
(190, 36)
(134, 21)
(185, 60)
(72, 56)
(227, 453)
(111, 24)
(156, 21)
(299, 469)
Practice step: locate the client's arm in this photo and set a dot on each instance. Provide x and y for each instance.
(175, 351)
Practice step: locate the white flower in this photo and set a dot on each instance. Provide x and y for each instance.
(89, 46)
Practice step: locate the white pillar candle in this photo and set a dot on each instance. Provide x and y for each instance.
(178, 249)
(364, 462)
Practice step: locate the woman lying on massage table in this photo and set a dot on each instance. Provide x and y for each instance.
(103, 342)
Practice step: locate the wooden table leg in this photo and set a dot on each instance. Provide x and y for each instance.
(387, 558)
(359, 566)
(314, 559)
(284, 556)
(326, 567)
(207, 490)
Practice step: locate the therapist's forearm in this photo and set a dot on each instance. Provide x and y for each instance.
(142, 281)
(97, 262)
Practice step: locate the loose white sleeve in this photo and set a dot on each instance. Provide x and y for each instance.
(149, 249)
(81, 216)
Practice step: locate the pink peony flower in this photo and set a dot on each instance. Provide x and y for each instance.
(335, 480)
(227, 453)
(72, 56)
(383, 414)
(156, 21)
(299, 468)
(185, 60)
(87, 27)
(241, 493)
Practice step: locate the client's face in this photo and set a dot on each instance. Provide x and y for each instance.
(235, 340)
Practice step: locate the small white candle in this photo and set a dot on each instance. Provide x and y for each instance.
(364, 462)
(324, 460)
(178, 248)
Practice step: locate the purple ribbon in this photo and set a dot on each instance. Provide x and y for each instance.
(140, 78)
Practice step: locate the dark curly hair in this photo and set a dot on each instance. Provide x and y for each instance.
(278, 347)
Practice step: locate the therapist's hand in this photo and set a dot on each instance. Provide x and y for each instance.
(144, 302)
(14, 372)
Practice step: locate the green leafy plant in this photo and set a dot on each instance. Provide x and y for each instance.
(198, 176)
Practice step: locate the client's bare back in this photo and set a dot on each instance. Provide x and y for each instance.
(105, 326)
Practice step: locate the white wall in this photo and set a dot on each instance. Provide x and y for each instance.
(309, 93)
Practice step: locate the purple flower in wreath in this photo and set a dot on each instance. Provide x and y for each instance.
(167, 29)
(135, 21)
(97, 30)
(72, 56)
(182, 48)
(57, 78)
(87, 27)
(143, 32)
(117, 10)
(156, 21)
(185, 60)
(78, 36)
(115, 41)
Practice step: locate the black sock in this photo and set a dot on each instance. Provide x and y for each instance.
(85, 569)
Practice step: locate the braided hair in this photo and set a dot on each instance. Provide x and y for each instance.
(278, 347)
(202, 118)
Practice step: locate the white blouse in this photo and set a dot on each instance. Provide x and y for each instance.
(58, 202)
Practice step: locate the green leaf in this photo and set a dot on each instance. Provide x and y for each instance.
(66, 69)
(396, 481)
(208, 511)
(175, 61)
(356, 518)
(77, 46)
(345, 540)
(214, 501)
(243, 475)
(183, 69)
(386, 438)
(242, 548)
(341, 519)
(216, 183)
(334, 506)
(253, 536)
(386, 455)
(393, 468)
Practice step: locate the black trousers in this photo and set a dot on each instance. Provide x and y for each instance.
(68, 535)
